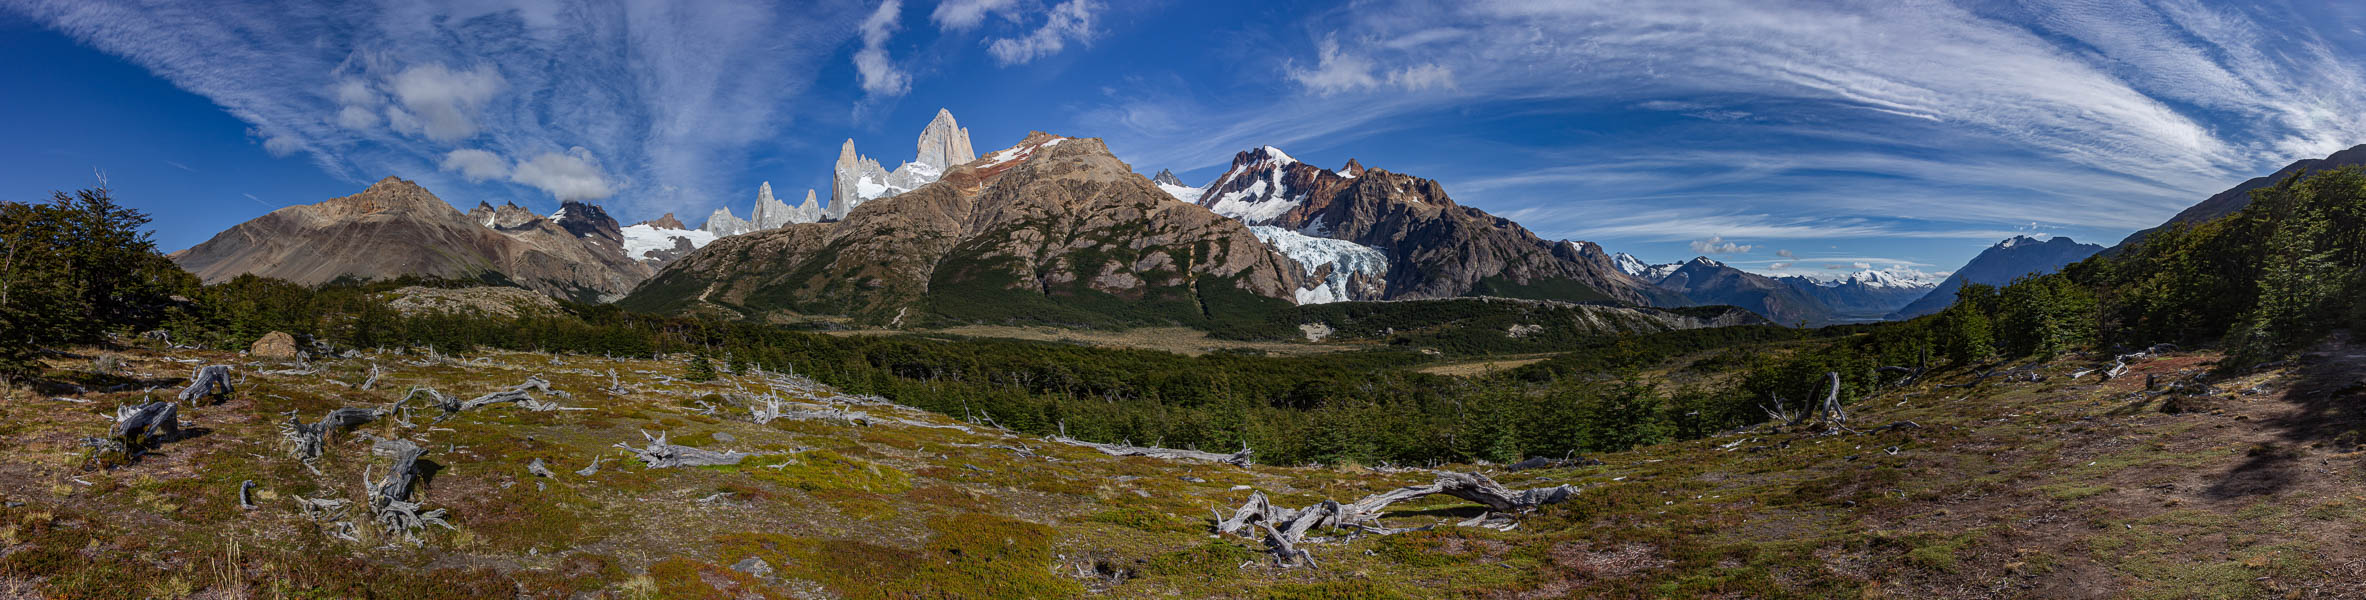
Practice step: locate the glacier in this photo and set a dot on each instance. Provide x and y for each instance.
(1345, 258)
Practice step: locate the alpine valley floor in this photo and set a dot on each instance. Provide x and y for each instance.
(2058, 488)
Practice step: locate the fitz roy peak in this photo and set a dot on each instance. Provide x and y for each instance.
(856, 179)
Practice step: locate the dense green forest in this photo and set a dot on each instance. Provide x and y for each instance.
(2264, 282)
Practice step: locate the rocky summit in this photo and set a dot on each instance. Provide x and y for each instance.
(397, 228)
(1434, 247)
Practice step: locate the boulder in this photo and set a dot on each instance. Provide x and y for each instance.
(275, 345)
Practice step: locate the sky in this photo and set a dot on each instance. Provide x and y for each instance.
(1780, 137)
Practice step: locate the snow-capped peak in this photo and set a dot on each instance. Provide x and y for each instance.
(2019, 240)
(1277, 156)
(1706, 261)
(1627, 263)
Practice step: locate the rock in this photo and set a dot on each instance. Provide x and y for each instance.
(725, 437)
(753, 566)
(277, 345)
(665, 222)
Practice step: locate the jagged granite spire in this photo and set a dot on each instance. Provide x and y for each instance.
(944, 143)
(1168, 177)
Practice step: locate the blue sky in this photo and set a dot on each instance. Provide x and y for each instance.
(1781, 137)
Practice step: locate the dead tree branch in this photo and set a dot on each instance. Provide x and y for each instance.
(1285, 528)
(1240, 458)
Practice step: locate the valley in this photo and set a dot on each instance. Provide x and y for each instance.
(1571, 299)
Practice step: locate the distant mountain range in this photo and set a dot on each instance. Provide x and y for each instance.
(2001, 264)
(1055, 229)
(1866, 295)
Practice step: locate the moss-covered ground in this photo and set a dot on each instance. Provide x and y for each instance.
(2060, 488)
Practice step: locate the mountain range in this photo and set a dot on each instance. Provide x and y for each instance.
(1056, 229)
(2001, 264)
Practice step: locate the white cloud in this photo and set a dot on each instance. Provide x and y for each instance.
(874, 71)
(442, 104)
(1422, 77)
(574, 175)
(1337, 71)
(962, 15)
(1785, 254)
(1718, 245)
(476, 165)
(1068, 21)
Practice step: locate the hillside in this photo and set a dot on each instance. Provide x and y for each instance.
(396, 228)
(2061, 488)
(1051, 230)
(2235, 198)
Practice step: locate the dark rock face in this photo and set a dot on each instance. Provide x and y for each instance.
(665, 222)
(1052, 219)
(1436, 248)
(397, 228)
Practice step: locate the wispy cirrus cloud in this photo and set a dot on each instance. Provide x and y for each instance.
(645, 102)
(1863, 118)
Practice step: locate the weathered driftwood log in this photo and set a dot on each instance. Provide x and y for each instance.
(594, 469)
(1830, 411)
(372, 382)
(1285, 528)
(136, 426)
(211, 380)
(659, 454)
(773, 409)
(390, 504)
(305, 441)
(518, 394)
(538, 470)
(1240, 458)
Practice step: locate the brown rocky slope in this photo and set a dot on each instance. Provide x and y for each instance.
(398, 228)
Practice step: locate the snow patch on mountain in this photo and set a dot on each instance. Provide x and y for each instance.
(640, 241)
(1628, 264)
(1262, 201)
(1346, 259)
(1182, 192)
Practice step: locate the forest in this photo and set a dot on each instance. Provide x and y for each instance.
(2264, 283)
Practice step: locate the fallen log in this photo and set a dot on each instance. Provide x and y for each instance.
(211, 380)
(660, 455)
(1240, 458)
(1286, 529)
